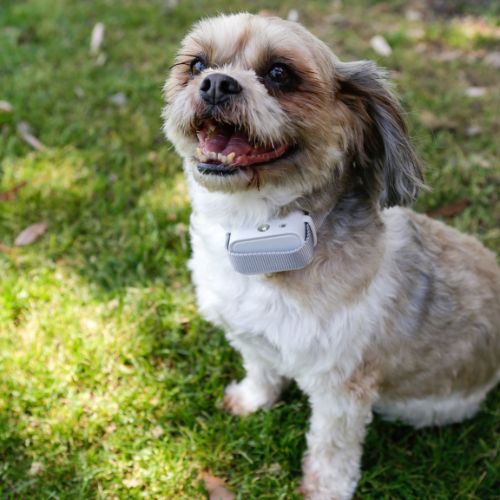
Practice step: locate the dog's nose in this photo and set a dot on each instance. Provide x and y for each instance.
(218, 88)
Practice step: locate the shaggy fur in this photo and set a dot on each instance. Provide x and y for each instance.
(397, 313)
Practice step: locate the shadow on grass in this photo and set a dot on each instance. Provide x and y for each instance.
(60, 478)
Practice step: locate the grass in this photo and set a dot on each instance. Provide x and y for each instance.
(110, 382)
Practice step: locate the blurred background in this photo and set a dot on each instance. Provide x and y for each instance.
(110, 383)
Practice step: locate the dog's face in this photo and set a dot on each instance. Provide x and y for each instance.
(256, 101)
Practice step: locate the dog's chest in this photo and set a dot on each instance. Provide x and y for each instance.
(260, 315)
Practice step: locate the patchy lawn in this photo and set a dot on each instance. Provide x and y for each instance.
(110, 383)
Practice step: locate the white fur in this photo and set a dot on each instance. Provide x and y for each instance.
(433, 410)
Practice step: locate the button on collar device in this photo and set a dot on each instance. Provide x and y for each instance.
(281, 244)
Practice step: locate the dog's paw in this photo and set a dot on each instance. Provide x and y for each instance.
(321, 481)
(246, 397)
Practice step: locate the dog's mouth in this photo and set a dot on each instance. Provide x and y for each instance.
(223, 149)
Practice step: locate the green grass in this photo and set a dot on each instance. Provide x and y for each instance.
(110, 383)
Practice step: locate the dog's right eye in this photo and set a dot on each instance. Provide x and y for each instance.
(197, 66)
(280, 76)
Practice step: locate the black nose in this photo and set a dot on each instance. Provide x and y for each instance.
(218, 88)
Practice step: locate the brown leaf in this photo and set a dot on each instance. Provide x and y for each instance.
(5, 248)
(6, 107)
(24, 131)
(11, 194)
(451, 209)
(31, 234)
(432, 122)
(216, 487)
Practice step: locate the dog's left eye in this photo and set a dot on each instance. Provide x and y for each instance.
(279, 73)
(197, 66)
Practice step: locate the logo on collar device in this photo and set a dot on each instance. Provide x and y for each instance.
(281, 244)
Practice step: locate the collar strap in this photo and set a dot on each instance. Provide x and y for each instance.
(282, 244)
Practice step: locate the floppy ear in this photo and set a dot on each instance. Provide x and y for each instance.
(377, 141)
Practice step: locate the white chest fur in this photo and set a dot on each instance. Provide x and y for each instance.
(259, 315)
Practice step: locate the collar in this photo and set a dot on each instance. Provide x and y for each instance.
(281, 244)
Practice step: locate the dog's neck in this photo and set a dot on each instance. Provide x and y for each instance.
(348, 212)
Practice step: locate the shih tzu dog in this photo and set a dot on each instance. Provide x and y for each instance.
(367, 307)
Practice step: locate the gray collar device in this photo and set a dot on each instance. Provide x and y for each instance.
(281, 244)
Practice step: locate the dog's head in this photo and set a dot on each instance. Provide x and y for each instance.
(257, 101)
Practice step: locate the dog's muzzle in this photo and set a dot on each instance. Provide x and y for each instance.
(218, 88)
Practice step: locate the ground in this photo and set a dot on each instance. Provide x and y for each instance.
(110, 383)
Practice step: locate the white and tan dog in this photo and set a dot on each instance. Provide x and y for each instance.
(397, 313)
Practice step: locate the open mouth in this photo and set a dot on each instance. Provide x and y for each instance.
(224, 148)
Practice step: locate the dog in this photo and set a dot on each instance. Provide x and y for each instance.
(395, 313)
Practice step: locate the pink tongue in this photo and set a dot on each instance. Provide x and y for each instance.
(225, 141)
(238, 143)
(217, 140)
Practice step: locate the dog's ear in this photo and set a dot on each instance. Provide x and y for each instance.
(377, 141)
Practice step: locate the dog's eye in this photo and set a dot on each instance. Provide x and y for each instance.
(281, 77)
(279, 73)
(197, 66)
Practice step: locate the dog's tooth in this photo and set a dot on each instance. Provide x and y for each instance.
(212, 155)
(230, 157)
(203, 157)
(222, 158)
(199, 152)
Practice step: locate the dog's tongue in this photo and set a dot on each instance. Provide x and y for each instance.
(225, 144)
(224, 140)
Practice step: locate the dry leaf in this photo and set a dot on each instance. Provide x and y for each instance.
(266, 13)
(274, 468)
(380, 46)
(450, 209)
(6, 107)
(157, 432)
(79, 92)
(413, 15)
(475, 91)
(433, 122)
(293, 15)
(31, 234)
(493, 59)
(448, 55)
(96, 38)
(111, 428)
(24, 131)
(181, 229)
(131, 483)
(119, 99)
(216, 487)
(5, 248)
(473, 130)
(36, 469)
(170, 5)
(11, 194)
(101, 59)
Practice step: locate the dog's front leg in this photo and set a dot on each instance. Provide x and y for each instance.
(260, 388)
(331, 464)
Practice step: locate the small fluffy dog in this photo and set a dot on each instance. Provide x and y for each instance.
(396, 313)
